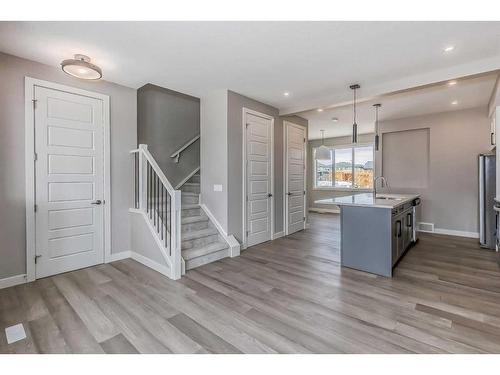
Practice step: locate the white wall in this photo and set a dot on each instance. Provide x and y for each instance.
(123, 102)
(214, 154)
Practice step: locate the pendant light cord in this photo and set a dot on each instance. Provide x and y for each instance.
(354, 106)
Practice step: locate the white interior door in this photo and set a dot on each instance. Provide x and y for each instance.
(69, 172)
(258, 179)
(295, 177)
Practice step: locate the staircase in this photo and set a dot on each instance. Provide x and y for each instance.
(200, 239)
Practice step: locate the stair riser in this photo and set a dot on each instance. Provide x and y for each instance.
(189, 244)
(191, 188)
(191, 212)
(190, 199)
(194, 226)
(200, 261)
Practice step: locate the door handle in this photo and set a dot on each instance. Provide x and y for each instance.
(288, 193)
(97, 202)
(269, 195)
(409, 219)
(398, 224)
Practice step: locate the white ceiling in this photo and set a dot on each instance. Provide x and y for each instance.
(314, 61)
(468, 92)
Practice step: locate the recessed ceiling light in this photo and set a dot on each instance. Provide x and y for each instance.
(455, 102)
(81, 67)
(320, 110)
(286, 93)
(452, 83)
(448, 48)
(335, 119)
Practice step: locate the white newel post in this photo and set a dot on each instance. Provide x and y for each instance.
(142, 178)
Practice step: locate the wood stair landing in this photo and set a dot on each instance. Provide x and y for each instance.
(200, 240)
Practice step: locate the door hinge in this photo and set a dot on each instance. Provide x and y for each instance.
(304, 192)
(247, 198)
(36, 258)
(246, 125)
(34, 103)
(247, 233)
(35, 208)
(304, 218)
(35, 156)
(304, 140)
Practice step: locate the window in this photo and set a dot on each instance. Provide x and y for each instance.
(348, 168)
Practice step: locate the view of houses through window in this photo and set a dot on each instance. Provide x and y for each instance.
(348, 167)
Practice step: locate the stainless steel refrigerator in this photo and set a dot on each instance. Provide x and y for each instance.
(487, 193)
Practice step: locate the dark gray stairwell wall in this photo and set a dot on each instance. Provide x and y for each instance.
(166, 120)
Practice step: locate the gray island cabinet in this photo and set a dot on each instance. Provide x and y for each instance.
(376, 231)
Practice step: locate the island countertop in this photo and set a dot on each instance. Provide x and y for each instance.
(368, 200)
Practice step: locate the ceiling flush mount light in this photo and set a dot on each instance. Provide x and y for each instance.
(448, 48)
(354, 124)
(81, 67)
(452, 83)
(286, 93)
(455, 102)
(320, 109)
(323, 152)
(377, 106)
(335, 119)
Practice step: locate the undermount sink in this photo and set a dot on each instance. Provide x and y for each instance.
(388, 197)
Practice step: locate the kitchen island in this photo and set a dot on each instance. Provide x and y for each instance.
(376, 230)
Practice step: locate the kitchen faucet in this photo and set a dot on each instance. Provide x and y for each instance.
(384, 184)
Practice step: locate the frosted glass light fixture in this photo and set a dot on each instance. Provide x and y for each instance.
(81, 67)
(323, 152)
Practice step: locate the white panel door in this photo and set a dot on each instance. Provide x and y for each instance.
(69, 171)
(295, 177)
(258, 179)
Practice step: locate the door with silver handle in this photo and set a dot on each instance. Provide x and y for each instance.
(97, 202)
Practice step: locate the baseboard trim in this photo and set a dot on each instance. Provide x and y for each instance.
(119, 256)
(450, 232)
(324, 210)
(234, 245)
(278, 235)
(12, 281)
(164, 270)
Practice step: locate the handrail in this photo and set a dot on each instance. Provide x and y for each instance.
(160, 204)
(177, 154)
(156, 168)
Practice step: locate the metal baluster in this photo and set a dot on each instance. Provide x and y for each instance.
(154, 200)
(162, 213)
(157, 202)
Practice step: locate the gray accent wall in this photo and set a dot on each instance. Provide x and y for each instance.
(123, 102)
(450, 199)
(166, 120)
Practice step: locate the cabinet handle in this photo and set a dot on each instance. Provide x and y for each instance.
(409, 219)
(398, 224)
(492, 141)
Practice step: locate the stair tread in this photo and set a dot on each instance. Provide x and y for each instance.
(191, 183)
(204, 250)
(195, 234)
(194, 219)
(188, 206)
(190, 193)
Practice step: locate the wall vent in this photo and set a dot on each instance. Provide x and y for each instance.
(425, 227)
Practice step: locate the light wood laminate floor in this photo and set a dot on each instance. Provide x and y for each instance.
(285, 296)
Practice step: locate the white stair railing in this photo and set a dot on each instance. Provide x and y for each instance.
(161, 205)
(177, 154)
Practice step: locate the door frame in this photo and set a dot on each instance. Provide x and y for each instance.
(287, 123)
(29, 123)
(245, 112)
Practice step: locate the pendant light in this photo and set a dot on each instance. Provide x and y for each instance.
(377, 106)
(323, 152)
(354, 125)
(81, 67)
